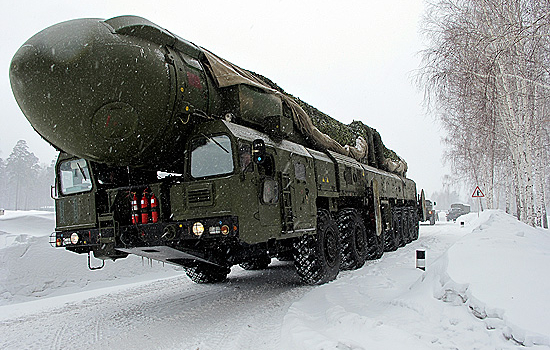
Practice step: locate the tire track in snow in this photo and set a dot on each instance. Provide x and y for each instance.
(168, 313)
(56, 344)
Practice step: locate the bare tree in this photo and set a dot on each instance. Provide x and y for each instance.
(485, 74)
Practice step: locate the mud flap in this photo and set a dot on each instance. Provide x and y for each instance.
(377, 211)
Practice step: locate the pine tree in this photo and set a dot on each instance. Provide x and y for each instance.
(22, 174)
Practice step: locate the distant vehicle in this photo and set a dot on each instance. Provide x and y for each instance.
(430, 211)
(457, 210)
(1, 211)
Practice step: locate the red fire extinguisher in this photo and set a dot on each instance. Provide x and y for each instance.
(135, 214)
(144, 208)
(154, 208)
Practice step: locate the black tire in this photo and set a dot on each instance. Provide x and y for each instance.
(317, 257)
(207, 273)
(407, 226)
(258, 263)
(412, 224)
(391, 237)
(354, 240)
(376, 245)
(416, 227)
(401, 228)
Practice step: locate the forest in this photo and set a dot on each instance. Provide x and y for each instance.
(25, 183)
(486, 76)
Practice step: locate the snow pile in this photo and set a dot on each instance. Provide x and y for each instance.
(502, 266)
(488, 290)
(31, 269)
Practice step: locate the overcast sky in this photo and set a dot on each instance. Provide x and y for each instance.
(353, 60)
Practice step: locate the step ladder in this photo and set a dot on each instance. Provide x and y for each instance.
(288, 215)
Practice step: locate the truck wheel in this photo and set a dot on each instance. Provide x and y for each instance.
(413, 225)
(391, 237)
(401, 231)
(416, 226)
(207, 273)
(376, 245)
(408, 226)
(317, 257)
(258, 263)
(353, 236)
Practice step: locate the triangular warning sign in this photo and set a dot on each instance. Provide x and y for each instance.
(477, 193)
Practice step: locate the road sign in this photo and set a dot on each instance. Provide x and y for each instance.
(477, 193)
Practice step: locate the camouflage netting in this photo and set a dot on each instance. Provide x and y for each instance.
(325, 131)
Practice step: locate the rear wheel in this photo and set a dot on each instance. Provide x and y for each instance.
(353, 235)
(400, 228)
(317, 257)
(207, 273)
(392, 236)
(376, 245)
(407, 226)
(415, 226)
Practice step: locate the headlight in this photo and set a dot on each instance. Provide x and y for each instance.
(198, 228)
(225, 230)
(74, 238)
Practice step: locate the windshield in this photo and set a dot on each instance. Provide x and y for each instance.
(74, 176)
(210, 156)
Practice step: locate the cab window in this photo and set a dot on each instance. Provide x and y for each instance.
(74, 176)
(211, 156)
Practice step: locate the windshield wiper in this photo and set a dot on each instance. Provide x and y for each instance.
(82, 172)
(216, 142)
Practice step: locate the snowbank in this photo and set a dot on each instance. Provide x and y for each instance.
(488, 290)
(17, 225)
(31, 269)
(502, 267)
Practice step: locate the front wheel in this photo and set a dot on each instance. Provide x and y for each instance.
(317, 257)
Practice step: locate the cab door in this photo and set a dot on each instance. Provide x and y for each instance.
(75, 207)
(263, 177)
(303, 189)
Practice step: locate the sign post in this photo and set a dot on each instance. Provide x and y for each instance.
(478, 194)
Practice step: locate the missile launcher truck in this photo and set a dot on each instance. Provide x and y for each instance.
(431, 213)
(171, 153)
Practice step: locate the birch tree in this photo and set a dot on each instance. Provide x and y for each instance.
(485, 74)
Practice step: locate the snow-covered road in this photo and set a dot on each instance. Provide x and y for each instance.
(387, 304)
(245, 313)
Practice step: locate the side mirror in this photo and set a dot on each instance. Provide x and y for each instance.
(258, 151)
(435, 204)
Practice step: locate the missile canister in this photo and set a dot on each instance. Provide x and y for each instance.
(116, 91)
(127, 92)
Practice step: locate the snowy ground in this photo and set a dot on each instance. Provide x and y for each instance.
(485, 287)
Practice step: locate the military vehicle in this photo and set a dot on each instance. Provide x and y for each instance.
(431, 214)
(174, 154)
(457, 209)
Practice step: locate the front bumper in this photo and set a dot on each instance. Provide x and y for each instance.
(152, 234)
